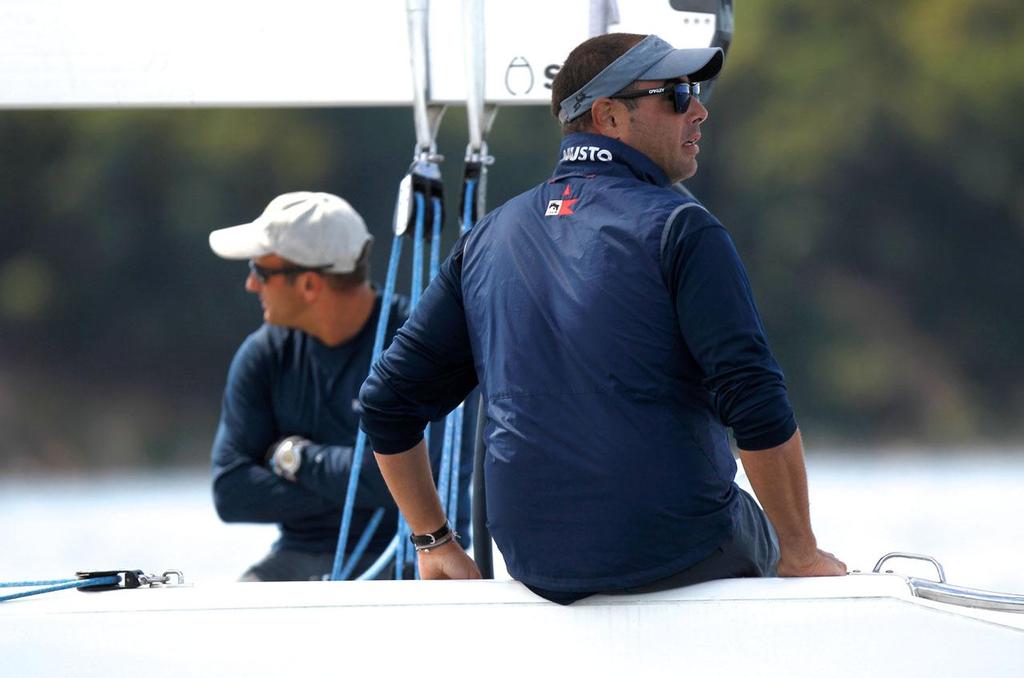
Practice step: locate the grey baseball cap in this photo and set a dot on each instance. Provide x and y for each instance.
(650, 59)
(309, 229)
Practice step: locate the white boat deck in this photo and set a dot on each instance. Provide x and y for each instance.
(860, 625)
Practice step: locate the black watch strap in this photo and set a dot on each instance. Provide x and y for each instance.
(436, 538)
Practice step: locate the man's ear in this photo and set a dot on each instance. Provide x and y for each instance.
(310, 285)
(608, 116)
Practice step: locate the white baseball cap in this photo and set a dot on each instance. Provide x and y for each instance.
(309, 229)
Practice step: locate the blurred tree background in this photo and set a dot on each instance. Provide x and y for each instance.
(868, 159)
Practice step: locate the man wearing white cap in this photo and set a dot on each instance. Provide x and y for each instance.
(613, 332)
(283, 448)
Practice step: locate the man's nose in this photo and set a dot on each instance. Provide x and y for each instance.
(252, 284)
(697, 112)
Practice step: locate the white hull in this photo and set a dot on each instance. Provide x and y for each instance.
(860, 625)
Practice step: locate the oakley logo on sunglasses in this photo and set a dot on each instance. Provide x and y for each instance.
(679, 92)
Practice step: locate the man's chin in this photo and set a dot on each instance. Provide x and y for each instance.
(687, 171)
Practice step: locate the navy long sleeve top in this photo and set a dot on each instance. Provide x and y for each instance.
(612, 329)
(285, 382)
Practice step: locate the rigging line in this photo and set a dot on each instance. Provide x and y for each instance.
(435, 236)
(23, 584)
(444, 472)
(364, 541)
(378, 566)
(453, 487)
(401, 555)
(360, 448)
(60, 585)
(417, 253)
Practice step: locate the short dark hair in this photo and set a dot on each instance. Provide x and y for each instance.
(343, 281)
(359, 275)
(583, 63)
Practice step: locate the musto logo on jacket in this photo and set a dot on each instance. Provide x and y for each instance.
(560, 208)
(583, 153)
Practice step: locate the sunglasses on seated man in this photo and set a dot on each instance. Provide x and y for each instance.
(263, 274)
(679, 92)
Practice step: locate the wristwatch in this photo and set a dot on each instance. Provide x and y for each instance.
(287, 457)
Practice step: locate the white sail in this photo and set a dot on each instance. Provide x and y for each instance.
(124, 53)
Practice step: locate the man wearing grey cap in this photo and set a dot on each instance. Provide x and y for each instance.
(612, 329)
(283, 448)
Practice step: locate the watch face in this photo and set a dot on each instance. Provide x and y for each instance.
(289, 457)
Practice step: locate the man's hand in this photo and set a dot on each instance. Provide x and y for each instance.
(447, 561)
(815, 564)
(779, 479)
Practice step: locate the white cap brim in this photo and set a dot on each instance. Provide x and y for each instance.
(245, 241)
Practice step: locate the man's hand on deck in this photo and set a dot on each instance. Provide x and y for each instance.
(817, 563)
(779, 479)
(448, 561)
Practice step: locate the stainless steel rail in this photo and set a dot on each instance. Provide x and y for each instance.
(943, 592)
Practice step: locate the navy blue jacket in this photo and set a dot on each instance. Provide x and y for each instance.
(285, 382)
(613, 331)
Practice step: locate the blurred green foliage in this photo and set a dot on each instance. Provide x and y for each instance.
(867, 157)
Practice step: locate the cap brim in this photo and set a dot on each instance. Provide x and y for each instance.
(238, 242)
(698, 65)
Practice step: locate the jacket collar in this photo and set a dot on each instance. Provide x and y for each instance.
(584, 153)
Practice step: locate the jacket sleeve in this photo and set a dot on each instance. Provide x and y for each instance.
(428, 369)
(723, 330)
(325, 470)
(244, 488)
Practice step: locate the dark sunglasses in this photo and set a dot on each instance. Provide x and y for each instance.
(263, 274)
(680, 92)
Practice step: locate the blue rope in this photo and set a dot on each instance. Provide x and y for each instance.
(417, 254)
(448, 486)
(381, 562)
(435, 239)
(450, 426)
(444, 473)
(58, 585)
(364, 541)
(467, 207)
(401, 557)
(453, 497)
(22, 584)
(360, 448)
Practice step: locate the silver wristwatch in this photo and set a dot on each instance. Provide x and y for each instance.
(287, 457)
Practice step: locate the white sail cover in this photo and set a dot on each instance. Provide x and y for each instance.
(125, 53)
